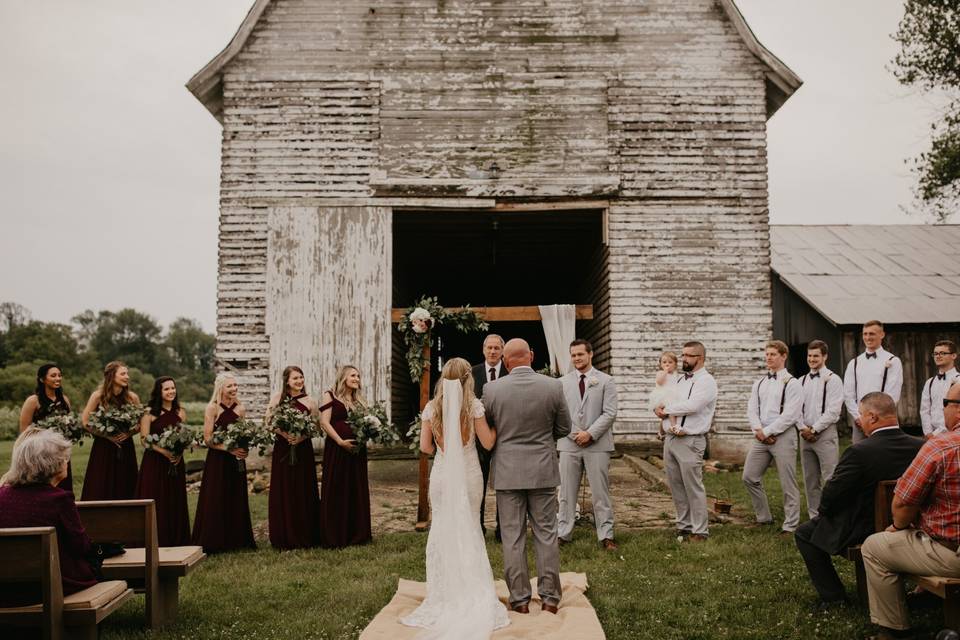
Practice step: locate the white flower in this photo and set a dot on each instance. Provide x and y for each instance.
(372, 420)
(593, 381)
(419, 314)
(419, 326)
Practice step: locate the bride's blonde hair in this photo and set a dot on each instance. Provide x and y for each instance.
(454, 369)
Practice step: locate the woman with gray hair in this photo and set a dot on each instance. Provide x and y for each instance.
(29, 497)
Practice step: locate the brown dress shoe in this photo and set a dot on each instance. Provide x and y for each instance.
(520, 607)
(696, 537)
(609, 545)
(563, 542)
(549, 608)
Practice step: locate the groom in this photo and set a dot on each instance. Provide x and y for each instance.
(529, 413)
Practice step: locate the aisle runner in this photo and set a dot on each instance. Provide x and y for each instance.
(576, 619)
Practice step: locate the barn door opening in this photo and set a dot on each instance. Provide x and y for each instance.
(497, 258)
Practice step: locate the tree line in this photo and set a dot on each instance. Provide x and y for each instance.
(91, 339)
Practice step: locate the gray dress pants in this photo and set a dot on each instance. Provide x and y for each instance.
(683, 459)
(783, 453)
(541, 507)
(597, 466)
(818, 460)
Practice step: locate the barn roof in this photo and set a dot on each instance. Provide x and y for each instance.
(899, 274)
(207, 84)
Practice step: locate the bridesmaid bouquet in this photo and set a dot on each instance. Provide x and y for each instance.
(244, 434)
(111, 422)
(370, 424)
(66, 423)
(176, 439)
(291, 420)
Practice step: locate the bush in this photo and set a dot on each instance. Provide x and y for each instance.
(9, 423)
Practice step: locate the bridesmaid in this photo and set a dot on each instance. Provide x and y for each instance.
(169, 492)
(294, 505)
(344, 492)
(109, 476)
(222, 522)
(47, 399)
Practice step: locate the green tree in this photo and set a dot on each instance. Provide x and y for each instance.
(130, 336)
(929, 58)
(191, 347)
(46, 341)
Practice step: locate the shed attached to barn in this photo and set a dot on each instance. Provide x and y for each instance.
(610, 153)
(829, 280)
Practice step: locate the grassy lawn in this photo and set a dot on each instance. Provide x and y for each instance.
(742, 584)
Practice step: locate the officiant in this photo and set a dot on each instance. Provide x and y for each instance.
(487, 371)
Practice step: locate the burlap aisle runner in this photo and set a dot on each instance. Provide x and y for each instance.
(576, 619)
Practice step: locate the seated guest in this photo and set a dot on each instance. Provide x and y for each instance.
(930, 489)
(29, 497)
(845, 516)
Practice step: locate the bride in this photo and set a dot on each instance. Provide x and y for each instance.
(461, 602)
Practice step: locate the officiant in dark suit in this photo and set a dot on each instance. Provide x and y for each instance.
(487, 371)
(845, 515)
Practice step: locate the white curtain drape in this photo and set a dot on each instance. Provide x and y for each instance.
(560, 328)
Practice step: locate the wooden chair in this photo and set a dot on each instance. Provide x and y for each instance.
(31, 557)
(946, 588)
(153, 570)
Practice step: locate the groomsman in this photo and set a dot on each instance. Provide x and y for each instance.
(591, 397)
(819, 447)
(773, 410)
(876, 369)
(487, 371)
(693, 403)
(935, 389)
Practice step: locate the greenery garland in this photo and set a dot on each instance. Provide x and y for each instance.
(424, 315)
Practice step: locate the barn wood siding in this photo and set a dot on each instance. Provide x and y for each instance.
(662, 95)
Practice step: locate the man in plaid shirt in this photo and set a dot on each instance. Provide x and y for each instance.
(930, 488)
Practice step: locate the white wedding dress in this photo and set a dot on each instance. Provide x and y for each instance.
(461, 602)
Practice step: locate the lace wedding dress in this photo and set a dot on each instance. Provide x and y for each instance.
(461, 602)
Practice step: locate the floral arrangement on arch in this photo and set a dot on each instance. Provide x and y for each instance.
(424, 315)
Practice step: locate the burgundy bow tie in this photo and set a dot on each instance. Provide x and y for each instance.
(771, 376)
(941, 376)
(814, 375)
(871, 355)
(687, 376)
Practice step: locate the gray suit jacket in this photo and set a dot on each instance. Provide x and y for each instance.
(529, 413)
(595, 412)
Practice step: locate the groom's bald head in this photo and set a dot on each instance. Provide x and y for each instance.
(516, 353)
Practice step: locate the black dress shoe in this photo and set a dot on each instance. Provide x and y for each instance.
(520, 607)
(822, 606)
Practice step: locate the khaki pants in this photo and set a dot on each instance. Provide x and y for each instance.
(782, 453)
(888, 555)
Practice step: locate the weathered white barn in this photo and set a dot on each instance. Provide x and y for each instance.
(494, 153)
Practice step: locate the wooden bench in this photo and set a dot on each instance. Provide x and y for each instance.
(946, 588)
(152, 570)
(30, 556)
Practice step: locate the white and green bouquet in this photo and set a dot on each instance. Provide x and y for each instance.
(287, 418)
(66, 423)
(370, 424)
(413, 434)
(110, 422)
(244, 434)
(176, 439)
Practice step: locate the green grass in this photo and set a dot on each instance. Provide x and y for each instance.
(743, 584)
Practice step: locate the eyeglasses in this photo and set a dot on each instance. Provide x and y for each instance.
(947, 401)
(942, 353)
(690, 355)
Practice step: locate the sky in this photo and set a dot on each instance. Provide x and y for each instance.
(109, 167)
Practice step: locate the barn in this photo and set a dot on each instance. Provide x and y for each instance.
(610, 154)
(829, 280)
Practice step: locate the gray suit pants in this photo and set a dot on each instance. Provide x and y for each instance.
(597, 465)
(541, 506)
(818, 460)
(783, 453)
(683, 459)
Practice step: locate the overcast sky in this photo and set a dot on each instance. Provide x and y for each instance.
(109, 168)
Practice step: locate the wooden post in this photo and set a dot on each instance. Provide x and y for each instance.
(423, 506)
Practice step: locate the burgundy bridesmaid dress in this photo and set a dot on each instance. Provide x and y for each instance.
(111, 471)
(294, 505)
(222, 522)
(344, 491)
(169, 492)
(42, 412)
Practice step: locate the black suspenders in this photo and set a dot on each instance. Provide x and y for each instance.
(823, 405)
(783, 397)
(683, 420)
(883, 384)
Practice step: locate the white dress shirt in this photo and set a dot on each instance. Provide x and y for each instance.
(822, 399)
(487, 367)
(694, 402)
(766, 399)
(869, 378)
(931, 401)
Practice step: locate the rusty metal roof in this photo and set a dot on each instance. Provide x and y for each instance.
(853, 273)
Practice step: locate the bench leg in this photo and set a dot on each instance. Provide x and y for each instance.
(169, 599)
(861, 571)
(951, 607)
